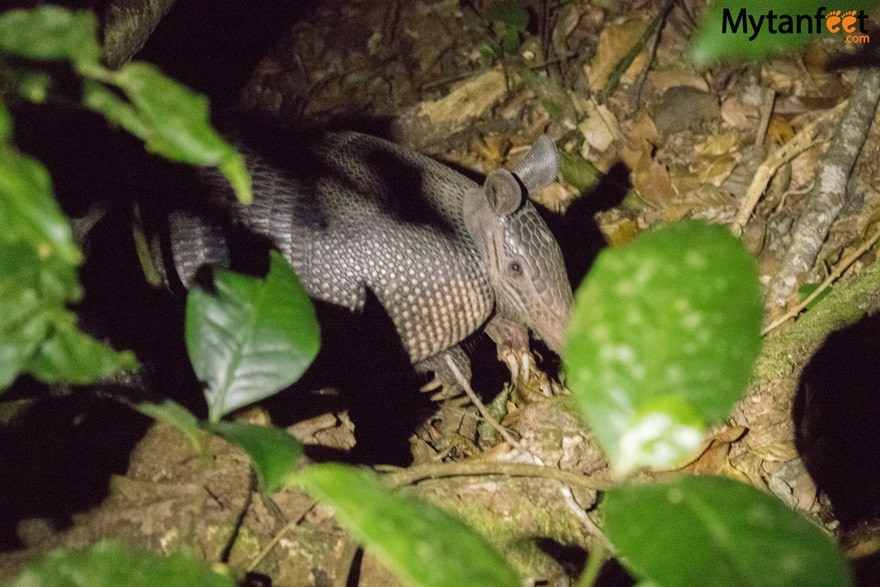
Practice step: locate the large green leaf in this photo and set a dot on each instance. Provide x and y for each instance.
(37, 279)
(715, 531)
(273, 452)
(171, 413)
(38, 333)
(177, 126)
(111, 564)
(28, 211)
(420, 543)
(5, 124)
(105, 100)
(50, 32)
(249, 338)
(68, 354)
(663, 338)
(22, 328)
(755, 29)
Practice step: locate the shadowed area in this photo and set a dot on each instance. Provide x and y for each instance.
(836, 414)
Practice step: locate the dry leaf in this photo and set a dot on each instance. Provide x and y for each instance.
(600, 127)
(615, 42)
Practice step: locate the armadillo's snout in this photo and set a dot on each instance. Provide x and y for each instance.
(546, 300)
(552, 325)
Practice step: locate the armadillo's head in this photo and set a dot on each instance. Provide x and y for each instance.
(521, 255)
(529, 277)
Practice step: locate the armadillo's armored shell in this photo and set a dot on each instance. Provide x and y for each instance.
(352, 212)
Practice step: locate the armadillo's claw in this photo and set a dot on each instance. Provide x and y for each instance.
(528, 365)
(512, 365)
(442, 390)
(446, 384)
(432, 385)
(527, 376)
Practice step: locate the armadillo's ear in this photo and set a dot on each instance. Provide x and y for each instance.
(503, 192)
(540, 165)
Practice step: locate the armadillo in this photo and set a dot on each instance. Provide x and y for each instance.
(442, 254)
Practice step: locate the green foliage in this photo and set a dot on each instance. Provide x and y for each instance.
(807, 289)
(419, 542)
(273, 452)
(248, 338)
(662, 342)
(171, 413)
(110, 563)
(513, 19)
(28, 212)
(38, 260)
(716, 531)
(754, 41)
(172, 120)
(578, 171)
(663, 338)
(50, 33)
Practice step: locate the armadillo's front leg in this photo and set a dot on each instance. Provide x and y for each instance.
(444, 378)
(512, 341)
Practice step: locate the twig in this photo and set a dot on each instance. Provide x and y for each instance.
(627, 60)
(652, 54)
(278, 535)
(766, 112)
(482, 409)
(832, 277)
(804, 140)
(413, 475)
(471, 74)
(829, 193)
(595, 561)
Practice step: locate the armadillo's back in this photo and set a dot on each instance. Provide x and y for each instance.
(354, 212)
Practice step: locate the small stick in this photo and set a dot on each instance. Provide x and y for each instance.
(832, 277)
(804, 140)
(483, 411)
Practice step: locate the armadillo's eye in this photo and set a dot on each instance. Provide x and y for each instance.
(515, 268)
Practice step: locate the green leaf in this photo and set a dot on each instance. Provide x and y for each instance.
(553, 109)
(71, 355)
(715, 531)
(32, 294)
(807, 289)
(5, 124)
(273, 452)
(663, 338)
(34, 85)
(730, 29)
(510, 40)
(100, 98)
(417, 541)
(38, 333)
(28, 211)
(171, 413)
(175, 124)
(249, 338)
(510, 12)
(50, 32)
(110, 563)
(178, 117)
(578, 171)
(487, 52)
(233, 167)
(20, 338)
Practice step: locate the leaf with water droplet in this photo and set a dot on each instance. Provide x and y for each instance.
(662, 342)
